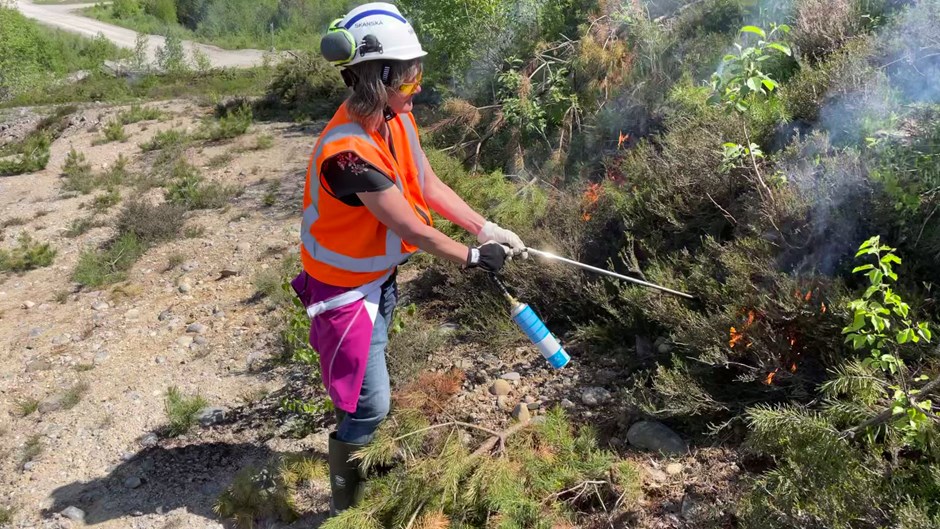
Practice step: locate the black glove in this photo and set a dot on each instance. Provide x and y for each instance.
(490, 257)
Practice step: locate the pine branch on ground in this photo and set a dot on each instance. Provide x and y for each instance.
(540, 474)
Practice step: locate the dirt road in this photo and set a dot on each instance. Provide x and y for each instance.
(67, 17)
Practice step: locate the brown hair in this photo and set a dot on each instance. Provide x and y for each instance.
(370, 95)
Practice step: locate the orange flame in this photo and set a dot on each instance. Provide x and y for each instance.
(623, 138)
(822, 308)
(591, 195)
(809, 295)
(793, 367)
(770, 377)
(738, 336)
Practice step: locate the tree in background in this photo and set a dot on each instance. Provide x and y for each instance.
(451, 31)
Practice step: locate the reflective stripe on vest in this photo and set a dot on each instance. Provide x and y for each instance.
(393, 254)
(415, 150)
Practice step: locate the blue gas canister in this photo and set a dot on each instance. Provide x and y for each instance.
(539, 335)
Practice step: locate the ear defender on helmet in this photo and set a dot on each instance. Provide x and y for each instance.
(338, 45)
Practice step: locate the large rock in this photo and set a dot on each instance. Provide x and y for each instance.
(500, 388)
(210, 415)
(657, 437)
(595, 396)
(74, 513)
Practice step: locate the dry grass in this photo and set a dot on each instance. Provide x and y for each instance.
(823, 26)
(429, 392)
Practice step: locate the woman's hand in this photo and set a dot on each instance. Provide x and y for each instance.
(490, 256)
(492, 232)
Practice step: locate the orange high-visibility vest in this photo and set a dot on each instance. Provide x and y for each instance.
(345, 245)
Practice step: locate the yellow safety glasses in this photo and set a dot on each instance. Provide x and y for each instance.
(408, 89)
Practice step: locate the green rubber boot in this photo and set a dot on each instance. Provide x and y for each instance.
(346, 478)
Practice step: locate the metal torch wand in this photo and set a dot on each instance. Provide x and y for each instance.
(607, 272)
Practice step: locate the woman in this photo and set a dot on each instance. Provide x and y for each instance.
(367, 208)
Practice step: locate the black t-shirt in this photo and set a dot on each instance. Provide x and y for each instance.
(347, 174)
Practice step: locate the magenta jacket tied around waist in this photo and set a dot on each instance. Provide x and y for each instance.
(341, 323)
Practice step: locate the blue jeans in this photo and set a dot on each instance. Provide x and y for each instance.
(376, 396)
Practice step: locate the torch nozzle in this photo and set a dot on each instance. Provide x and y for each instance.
(594, 269)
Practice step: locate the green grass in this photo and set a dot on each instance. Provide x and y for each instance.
(79, 177)
(106, 201)
(113, 131)
(109, 265)
(220, 160)
(181, 411)
(27, 255)
(6, 515)
(165, 139)
(34, 57)
(73, 395)
(138, 113)
(31, 449)
(264, 141)
(33, 156)
(101, 87)
(231, 124)
(80, 226)
(270, 195)
(192, 191)
(26, 406)
(239, 24)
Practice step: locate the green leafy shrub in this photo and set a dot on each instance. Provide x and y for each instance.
(164, 10)
(33, 156)
(138, 113)
(104, 202)
(805, 93)
(165, 139)
(27, 255)
(125, 8)
(181, 411)
(744, 76)
(451, 30)
(80, 226)
(171, 57)
(109, 264)
(231, 124)
(306, 86)
(77, 173)
(114, 131)
(190, 189)
(33, 56)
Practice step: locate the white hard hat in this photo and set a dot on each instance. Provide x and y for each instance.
(374, 31)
